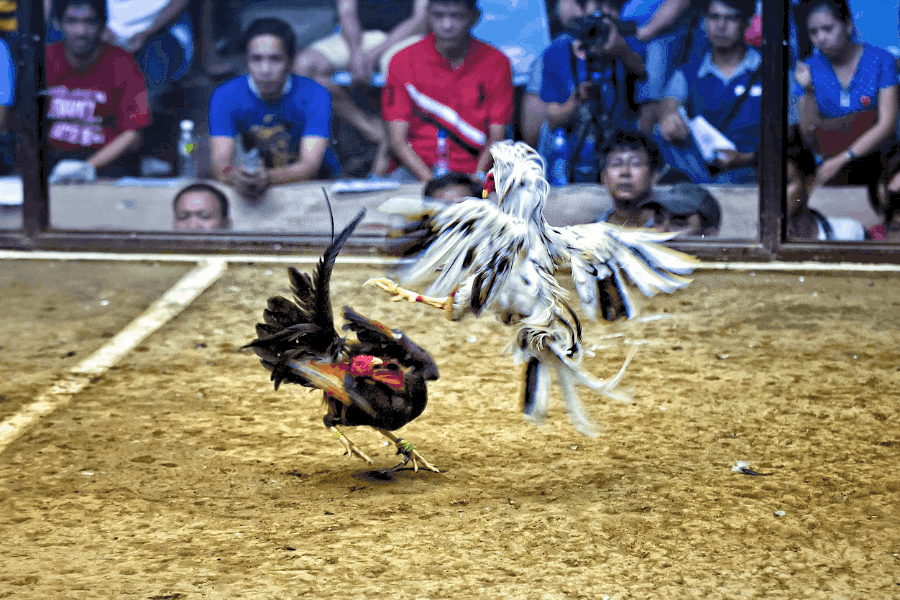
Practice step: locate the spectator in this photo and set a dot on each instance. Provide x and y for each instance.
(156, 32)
(98, 100)
(533, 124)
(722, 87)
(372, 31)
(845, 85)
(285, 117)
(452, 187)
(803, 222)
(200, 207)
(415, 234)
(663, 29)
(687, 208)
(158, 35)
(449, 81)
(594, 97)
(631, 170)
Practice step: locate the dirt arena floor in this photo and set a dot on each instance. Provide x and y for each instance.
(180, 473)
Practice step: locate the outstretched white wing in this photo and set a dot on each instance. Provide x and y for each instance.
(474, 236)
(600, 254)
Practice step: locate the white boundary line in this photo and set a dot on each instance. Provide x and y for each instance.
(164, 309)
(388, 262)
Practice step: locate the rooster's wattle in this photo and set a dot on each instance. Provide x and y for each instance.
(378, 380)
(502, 259)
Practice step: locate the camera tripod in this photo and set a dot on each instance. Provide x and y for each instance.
(594, 123)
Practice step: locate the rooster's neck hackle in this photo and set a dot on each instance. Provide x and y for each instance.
(519, 177)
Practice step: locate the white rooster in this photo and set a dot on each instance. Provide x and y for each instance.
(502, 259)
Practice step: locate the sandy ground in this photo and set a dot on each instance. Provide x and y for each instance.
(182, 474)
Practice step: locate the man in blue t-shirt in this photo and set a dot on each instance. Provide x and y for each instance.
(724, 88)
(284, 117)
(574, 98)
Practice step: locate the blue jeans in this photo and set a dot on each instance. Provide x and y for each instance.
(686, 157)
(159, 61)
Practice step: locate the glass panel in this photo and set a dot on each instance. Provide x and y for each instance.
(141, 202)
(843, 148)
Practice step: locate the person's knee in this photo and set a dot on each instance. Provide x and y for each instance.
(313, 64)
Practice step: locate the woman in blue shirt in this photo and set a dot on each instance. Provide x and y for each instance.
(841, 79)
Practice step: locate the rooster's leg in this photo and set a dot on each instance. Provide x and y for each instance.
(407, 450)
(401, 294)
(349, 446)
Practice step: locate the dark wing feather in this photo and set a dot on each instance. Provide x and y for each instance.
(304, 328)
(379, 340)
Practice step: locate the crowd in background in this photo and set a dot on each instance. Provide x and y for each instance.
(629, 93)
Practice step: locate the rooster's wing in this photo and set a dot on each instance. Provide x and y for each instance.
(605, 258)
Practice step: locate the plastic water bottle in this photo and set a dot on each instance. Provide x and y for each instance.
(187, 151)
(442, 163)
(559, 160)
(585, 172)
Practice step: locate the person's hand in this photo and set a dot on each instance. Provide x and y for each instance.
(828, 169)
(615, 44)
(362, 65)
(803, 76)
(731, 159)
(136, 43)
(581, 93)
(73, 171)
(251, 185)
(673, 128)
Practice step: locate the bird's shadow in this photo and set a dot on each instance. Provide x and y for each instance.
(384, 475)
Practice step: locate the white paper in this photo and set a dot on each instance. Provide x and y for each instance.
(709, 139)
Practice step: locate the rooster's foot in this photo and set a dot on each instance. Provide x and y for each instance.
(401, 294)
(410, 454)
(350, 448)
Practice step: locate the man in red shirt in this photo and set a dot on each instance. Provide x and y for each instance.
(98, 98)
(447, 81)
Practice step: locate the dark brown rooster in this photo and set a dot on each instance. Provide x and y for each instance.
(379, 380)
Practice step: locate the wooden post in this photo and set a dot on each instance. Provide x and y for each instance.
(32, 149)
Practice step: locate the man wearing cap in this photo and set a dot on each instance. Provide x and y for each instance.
(631, 168)
(687, 208)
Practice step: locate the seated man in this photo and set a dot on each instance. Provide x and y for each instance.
(663, 29)
(98, 100)
(804, 223)
(724, 88)
(372, 31)
(286, 118)
(200, 207)
(631, 169)
(595, 96)
(158, 35)
(687, 208)
(452, 82)
(533, 111)
(416, 231)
